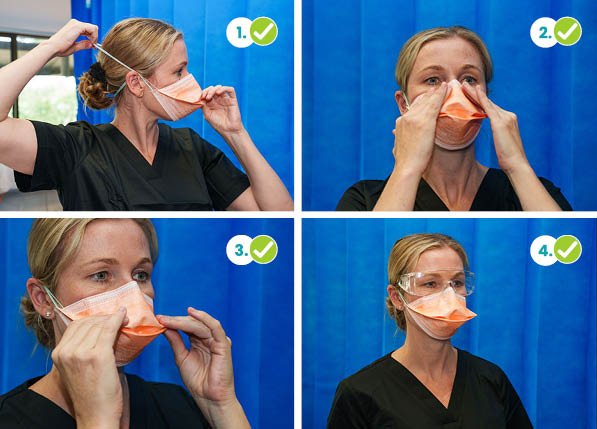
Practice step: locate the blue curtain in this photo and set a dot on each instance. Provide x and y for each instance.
(253, 303)
(262, 76)
(537, 323)
(350, 50)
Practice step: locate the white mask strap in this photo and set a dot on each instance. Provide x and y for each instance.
(53, 298)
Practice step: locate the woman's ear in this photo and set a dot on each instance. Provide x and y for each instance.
(135, 84)
(401, 102)
(40, 299)
(396, 301)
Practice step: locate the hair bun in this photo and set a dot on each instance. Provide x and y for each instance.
(93, 88)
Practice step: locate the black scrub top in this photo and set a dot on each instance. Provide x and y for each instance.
(95, 167)
(153, 406)
(494, 194)
(386, 395)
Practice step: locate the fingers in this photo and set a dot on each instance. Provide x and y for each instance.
(199, 324)
(177, 344)
(111, 327)
(437, 98)
(212, 91)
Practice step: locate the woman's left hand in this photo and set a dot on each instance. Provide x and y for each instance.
(504, 124)
(220, 109)
(206, 368)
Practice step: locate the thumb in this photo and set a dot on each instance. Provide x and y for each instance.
(177, 344)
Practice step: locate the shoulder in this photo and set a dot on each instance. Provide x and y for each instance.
(14, 404)
(482, 367)
(499, 182)
(367, 379)
(361, 196)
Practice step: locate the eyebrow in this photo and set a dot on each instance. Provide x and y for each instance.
(439, 67)
(182, 64)
(112, 261)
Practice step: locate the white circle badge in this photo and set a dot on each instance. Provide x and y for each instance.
(238, 32)
(542, 250)
(542, 32)
(238, 250)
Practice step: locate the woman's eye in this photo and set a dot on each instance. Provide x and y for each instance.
(470, 80)
(102, 276)
(179, 73)
(429, 284)
(432, 81)
(141, 276)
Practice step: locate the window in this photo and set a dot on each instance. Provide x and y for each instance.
(51, 96)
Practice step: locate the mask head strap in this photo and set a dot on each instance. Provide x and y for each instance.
(99, 47)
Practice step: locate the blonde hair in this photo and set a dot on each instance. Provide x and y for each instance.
(52, 244)
(140, 43)
(410, 50)
(404, 257)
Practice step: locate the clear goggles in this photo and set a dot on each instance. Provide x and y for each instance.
(430, 282)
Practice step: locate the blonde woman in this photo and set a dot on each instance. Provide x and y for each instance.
(88, 303)
(444, 74)
(428, 383)
(134, 163)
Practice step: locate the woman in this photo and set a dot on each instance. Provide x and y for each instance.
(428, 383)
(444, 73)
(88, 302)
(134, 163)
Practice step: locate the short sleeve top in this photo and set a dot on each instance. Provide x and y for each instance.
(386, 395)
(95, 167)
(152, 406)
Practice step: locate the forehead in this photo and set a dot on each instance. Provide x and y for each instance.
(452, 52)
(439, 259)
(178, 53)
(116, 238)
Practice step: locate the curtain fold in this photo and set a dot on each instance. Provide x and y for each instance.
(254, 303)
(350, 51)
(537, 323)
(261, 76)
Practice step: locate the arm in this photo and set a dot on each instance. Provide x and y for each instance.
(206, 369)
(511, 157)
(413, 147)
(267, 192)
(18, 142)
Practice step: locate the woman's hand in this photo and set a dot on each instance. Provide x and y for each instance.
(221, 110)
(415, 132)
(63, 42)
(206, 369)
(504, 125)
(85, 360)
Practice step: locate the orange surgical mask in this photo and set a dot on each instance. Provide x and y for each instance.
(141, 329)
(459, 120)
(439, 315)
(178, 99)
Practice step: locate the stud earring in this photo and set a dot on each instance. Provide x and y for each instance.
(48, 314)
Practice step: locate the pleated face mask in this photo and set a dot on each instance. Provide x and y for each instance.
(459, 120)
(439, 315)
(178, 99)
(141, 329)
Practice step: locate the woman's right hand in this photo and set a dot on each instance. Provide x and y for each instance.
(85, 360)
(415, 132)
(63, 42)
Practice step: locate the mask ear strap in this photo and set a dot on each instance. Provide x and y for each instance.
(99, 47)
(406, 101)
(53, 298)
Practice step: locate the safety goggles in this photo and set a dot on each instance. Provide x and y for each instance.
(430, 282)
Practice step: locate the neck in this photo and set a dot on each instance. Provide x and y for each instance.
(421, 353)
(140, 128)
(455, 176)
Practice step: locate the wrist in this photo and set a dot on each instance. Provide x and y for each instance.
(402, 173)
(519, 167)
(48, 48)
(235, 137)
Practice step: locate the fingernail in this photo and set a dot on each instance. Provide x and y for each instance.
(122, 309)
